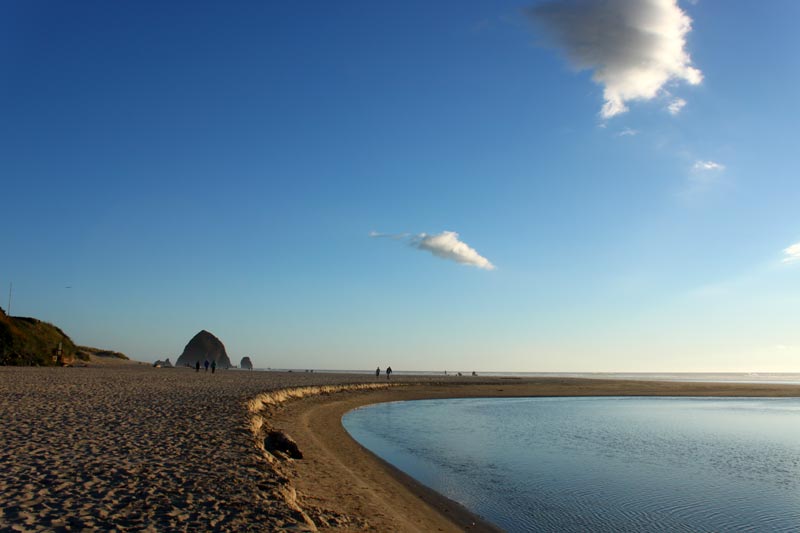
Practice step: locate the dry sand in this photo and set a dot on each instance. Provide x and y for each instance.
(130, 448)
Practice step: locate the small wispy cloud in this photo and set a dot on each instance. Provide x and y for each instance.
(708, 166)
(395, 236)
(628, 132)
(634, 48)
(445, 245)
(676, 105)
(704, 177)
(791, 253)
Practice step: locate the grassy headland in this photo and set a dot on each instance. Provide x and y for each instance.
(26, 341)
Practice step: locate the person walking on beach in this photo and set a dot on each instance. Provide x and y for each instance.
(197, 366)
(377, 372)
(213, 366)
(388, 372)
(205, 364)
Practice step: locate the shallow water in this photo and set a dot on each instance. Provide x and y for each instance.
(600, 464)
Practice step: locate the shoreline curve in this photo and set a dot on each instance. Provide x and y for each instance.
(340, 477)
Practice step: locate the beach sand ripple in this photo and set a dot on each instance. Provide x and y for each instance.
(133, 448)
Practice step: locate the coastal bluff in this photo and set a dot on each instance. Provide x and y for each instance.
(26, 341)
(204, 346)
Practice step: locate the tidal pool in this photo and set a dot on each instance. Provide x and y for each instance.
(600, 464)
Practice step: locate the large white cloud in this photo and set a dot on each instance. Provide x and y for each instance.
(448, 246)
(633, 47)
(445, 245)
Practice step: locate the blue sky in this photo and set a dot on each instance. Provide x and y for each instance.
(222, 167)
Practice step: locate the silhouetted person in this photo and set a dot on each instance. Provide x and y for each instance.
(197, 366)
(205, 364)
(377, 372)
(388, 372)
(213, 366)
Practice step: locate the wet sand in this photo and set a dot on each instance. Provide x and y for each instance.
(131, 448)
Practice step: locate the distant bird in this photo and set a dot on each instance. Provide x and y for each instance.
(68, 287)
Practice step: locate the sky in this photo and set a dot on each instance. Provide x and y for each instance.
(542, 186)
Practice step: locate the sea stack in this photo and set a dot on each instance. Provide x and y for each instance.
(246, 364)
(204, 347)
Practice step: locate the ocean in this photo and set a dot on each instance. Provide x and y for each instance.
(771, 378)
(600, 464)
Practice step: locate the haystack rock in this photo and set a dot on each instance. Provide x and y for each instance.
(204, 346)
(246, 364)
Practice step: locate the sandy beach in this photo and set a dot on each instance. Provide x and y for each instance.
(127, 447)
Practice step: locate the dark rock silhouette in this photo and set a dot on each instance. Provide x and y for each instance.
(204, 347)
(246, 364)
(279, 442)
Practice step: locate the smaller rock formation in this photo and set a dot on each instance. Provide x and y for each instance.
(280, 442)
(162, 364)
(246, 363)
